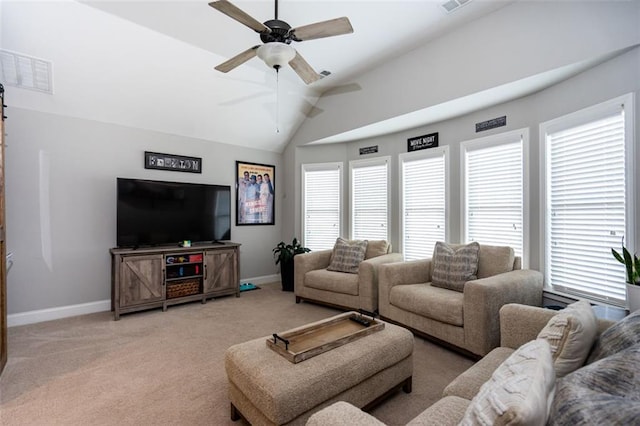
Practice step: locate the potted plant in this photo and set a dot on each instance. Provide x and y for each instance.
(632, 266)
(284, 253)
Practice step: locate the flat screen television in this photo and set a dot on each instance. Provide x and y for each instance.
(153, 213)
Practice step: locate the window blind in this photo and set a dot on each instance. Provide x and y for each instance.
(585, 207)
(322, 211)
(423, 205)
(494, 194)
(369, 208)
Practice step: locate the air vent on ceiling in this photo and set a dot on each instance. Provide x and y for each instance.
(26, 72)
(452, 5)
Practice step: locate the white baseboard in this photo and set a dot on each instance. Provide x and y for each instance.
(49, 314)
(41, 315)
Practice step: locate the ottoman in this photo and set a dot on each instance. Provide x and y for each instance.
(267, 389)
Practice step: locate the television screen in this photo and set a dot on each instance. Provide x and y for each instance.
(153, 213)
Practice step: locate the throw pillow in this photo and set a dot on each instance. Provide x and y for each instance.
(571, 334)
(606, 392)
(519, 391)
(454, 267)
(619, 336)
(347, 255)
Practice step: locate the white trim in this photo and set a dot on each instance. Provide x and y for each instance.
(365, 163)
(264, 279)
(41, 315)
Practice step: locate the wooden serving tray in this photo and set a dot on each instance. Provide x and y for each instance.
(314, 339)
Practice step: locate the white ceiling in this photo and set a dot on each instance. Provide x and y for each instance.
(149, 64)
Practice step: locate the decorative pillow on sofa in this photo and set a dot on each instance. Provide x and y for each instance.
(606, 392)
(519, 391)
(619, 336)
(571, 334)
(454, 267)
(347, 255)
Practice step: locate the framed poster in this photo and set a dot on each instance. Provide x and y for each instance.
(255, 190)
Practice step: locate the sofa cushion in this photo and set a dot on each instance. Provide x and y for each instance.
(494, 260)
(428, 301)
(454, 266)
(606, 392)
(621, 335)
(571, 334)
(335, 282)
(377, 248)
(447, 411)
(519, 391)
(347, 255)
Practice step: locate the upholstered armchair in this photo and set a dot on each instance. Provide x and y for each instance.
(465, 314)
(355, 290)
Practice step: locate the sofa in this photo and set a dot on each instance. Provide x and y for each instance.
(358, 289)
(593, 379)
(464, 315)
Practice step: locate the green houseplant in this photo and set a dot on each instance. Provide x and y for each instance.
(632, 267)
(283, 254)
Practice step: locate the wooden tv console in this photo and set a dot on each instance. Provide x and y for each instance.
(152, 277)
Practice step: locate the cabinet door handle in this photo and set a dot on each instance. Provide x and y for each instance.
(205, 272)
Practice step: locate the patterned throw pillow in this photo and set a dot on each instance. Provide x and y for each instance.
(619, 336)
(454, 267)
(571, 334)
(519, 391)
(347, 255)
(606, 392)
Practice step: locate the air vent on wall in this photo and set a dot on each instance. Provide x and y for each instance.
(452, 5)
(26, 72)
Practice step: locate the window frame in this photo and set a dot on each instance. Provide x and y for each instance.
(443, 151)
(369, 162)
(491, 141)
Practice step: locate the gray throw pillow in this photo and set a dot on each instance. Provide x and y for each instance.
(347, 255)
(621, 335)
(454, 267)
(606, 392)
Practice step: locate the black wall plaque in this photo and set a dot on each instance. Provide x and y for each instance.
(178, 163)
(369, 150)
(422, 142)
(491, 124)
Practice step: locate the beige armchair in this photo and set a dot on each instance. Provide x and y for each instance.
(469, 319)
(313, 282)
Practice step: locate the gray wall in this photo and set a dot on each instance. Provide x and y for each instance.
(613, 78)
(61, 203)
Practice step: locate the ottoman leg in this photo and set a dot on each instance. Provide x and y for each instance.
(235, 414)
(408, 384)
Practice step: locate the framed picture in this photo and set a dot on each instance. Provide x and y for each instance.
(176, 163)
(255, 193)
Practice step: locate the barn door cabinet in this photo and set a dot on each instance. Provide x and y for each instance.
(158, 277)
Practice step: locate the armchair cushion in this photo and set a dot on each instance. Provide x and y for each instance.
(571, 334)
(377, 248)
(495, 260)
(454, 266)
(336, 282)
(428, 301)
(347, 255)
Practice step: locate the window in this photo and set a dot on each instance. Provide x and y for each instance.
(494, 190)
(369, 199)
(424, 201)
(588, 199)
(322, 207)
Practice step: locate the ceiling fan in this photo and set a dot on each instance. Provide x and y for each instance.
(277, 36)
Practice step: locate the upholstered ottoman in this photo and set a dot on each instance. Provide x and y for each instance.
(267, 389)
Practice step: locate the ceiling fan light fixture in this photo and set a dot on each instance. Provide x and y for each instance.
(276, 54)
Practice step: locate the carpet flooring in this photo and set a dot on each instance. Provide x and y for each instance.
(167, 368)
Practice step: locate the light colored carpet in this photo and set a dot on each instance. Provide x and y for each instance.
(166, 368)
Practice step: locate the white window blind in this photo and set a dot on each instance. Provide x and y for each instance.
(369, 205)
(494, 193)
(585, 203)
(423, 191)
(321, 196)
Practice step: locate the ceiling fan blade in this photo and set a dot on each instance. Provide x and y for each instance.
(238, 59)
(330, 28)
(239, 15)
(303, 69)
